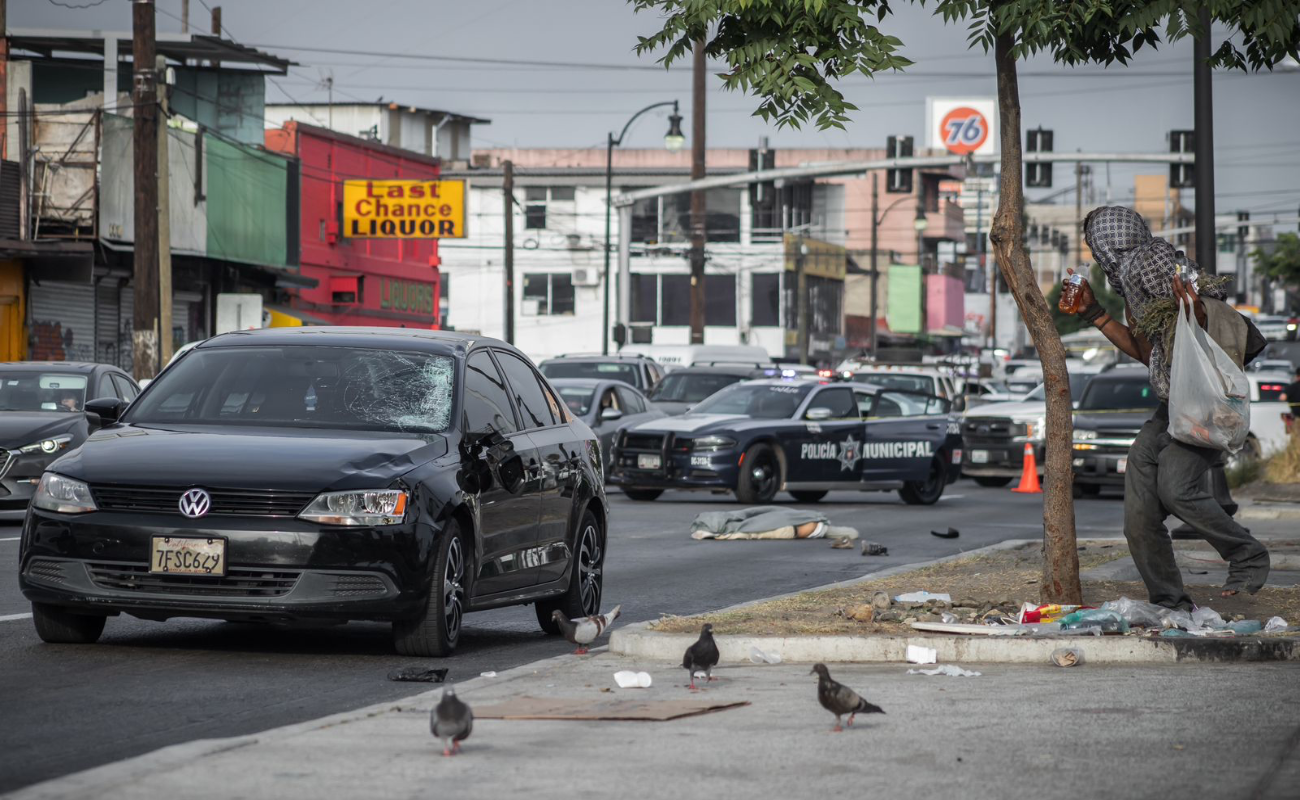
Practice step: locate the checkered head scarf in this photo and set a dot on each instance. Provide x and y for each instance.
(1140, 268)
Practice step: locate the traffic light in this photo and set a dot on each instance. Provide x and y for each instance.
(1038, 175)
(1182, 176)
(1243, 231)
(898, 181)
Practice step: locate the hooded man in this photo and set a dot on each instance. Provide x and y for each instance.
(1164, 476)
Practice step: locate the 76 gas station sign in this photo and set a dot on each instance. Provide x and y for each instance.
(962, 125)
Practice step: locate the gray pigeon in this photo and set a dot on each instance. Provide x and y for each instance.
(583, 632)
(839, 699)
(703, 655)
(451, 721)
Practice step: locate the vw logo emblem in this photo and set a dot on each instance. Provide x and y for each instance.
(195, 503)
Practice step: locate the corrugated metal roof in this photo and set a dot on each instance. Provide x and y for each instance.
(175, 46)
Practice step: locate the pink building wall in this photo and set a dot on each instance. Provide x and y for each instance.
(945, 303)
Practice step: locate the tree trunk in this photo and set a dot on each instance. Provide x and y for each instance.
(1060, 580)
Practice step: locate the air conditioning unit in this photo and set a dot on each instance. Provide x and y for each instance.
(586, 276)
(530, 307)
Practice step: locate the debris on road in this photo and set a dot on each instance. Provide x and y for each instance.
(488, 674)
(861, 613)
(921, 655)
(874, 549)
(759, 657)
(627, 679)
(951, 533)
(1066, 657)
(605, 708)
(951, 670)
(1275, 625)
(418, 674)
(842, 543)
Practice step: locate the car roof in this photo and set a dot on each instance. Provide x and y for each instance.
(599, 357)
(34, 366)
(344, 336)
(581, 383)
(736, 369)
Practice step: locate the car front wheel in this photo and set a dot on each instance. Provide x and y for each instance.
(992, 481)
(586, 580)
(760, 475)
(435, 633)
(928, 491)
(56, 626)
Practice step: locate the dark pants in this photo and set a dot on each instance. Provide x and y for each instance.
(1164, 477)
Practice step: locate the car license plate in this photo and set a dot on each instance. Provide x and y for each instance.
(979, 456)
(647, 461)
(1121, 465)
(176, 555)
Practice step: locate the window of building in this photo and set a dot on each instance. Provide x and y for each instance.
(444, 300)
(487, 403)
(765, 299)
(667, 220)
(527, 389)
(675, 299)
(645, 298)
(666, 299)
(549, 207)
(549, 294)
(720, 300)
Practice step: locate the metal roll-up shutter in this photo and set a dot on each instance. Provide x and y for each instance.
(125, 324)
(62, 321)
(106, 299)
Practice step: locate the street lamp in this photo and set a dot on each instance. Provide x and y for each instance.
(674, 140)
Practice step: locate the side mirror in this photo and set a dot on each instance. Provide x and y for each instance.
(1074, 404)
(610, 414)
(959, 404)
(818, 413)
(106, 410)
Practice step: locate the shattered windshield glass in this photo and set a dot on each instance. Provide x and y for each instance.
(347, 388)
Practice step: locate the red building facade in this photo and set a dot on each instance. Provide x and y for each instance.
(384, 282)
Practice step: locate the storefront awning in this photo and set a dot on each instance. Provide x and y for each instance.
(285, 277)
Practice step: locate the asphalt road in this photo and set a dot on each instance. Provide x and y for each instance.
(147, 685)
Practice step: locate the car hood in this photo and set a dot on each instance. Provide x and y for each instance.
(1117, 421)
(692, 423)
(1016, 410)
(21, 428)
(298, 460)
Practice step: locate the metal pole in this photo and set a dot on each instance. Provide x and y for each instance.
(164, 223)
(1206, 245)
(144, 345)
(606, 277)
(4, 79)
(801, 300)
(875, 270)
(699, 209)
(1078, 214)
(508, 196)
(625, 264)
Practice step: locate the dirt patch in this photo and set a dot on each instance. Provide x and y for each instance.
(988, 584)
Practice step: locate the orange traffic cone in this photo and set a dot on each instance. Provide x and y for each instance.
(1029, 475)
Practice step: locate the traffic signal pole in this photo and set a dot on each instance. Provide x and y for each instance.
(1206, 244)
(145, 323)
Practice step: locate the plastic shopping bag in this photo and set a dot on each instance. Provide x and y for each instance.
(1209, 395)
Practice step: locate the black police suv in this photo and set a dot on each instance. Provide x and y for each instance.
(328, 473)
(42, 406)
(805, 437)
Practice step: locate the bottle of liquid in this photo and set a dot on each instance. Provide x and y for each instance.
(1070, 294)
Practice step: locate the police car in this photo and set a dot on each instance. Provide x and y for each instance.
(760, 437)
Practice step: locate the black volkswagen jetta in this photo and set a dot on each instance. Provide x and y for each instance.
(326, 473)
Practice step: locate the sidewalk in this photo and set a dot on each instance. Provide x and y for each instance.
(1014, 732)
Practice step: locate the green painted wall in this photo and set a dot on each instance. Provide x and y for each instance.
(247, 193)
(904, 307)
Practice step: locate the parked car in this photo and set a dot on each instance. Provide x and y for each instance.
(938, 381)
(634, 370)
(1114, 407)
(324, 473)
(686, 386)
(761, 437)
(994, 435)
(41, 418)
(1268, 407)
(1281, 365)
(606, 406)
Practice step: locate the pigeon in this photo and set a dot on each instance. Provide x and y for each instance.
(451, 721)
(583, 632)
(703, 655)
(839, 699)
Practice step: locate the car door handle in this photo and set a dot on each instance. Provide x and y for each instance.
(934, 426)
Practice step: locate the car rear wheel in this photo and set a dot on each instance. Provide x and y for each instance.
(435, 633)
(760, 475)
(586, 581)
(643, 495)
(1086, 490)
(928, 491)
(56, 626)
(807, 497)
(992, 481)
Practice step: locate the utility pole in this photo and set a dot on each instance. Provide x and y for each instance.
(983, 260)
(185, 16)
(875, 270)
(508, 197)
(1206, 244)
(4, 80)
(801, 301)
(1078, 214)
(164, 220)
(144, 345)
(699, 208)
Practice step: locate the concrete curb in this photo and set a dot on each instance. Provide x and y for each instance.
(1256, 511)
(639, 641)
(90, 782)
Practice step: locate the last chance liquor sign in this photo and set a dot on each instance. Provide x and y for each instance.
(404, 209)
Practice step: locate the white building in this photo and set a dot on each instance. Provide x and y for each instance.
(430, 132)
(559, 236)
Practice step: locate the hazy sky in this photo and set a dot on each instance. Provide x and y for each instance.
(1093, 109)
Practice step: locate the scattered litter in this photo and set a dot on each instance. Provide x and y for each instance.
(842, 543)
(971, 628)
(921, 655)
(1067, 657)
(921, 597)
(1178, 618)
(874, 549)
(1275, 625)
(1206, 617)
(1048, 612)
(488, 674)
(759, 657)
(627, 679)
(1108, 621)
(949, 617)
(1137, 612)
(860, 613)
(614, 707)
(880, 600)
(951, 533)
(951, 670)
(418, 674)
(1245, 627)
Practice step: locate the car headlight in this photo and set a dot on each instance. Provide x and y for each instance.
(380, 507)
(63, 495)
(1035, 429)
(50, 446)
(707, 444)
(1080, 436)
